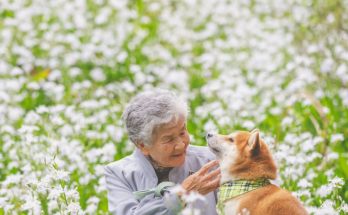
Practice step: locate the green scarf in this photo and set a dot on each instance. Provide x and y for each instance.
(232, 189)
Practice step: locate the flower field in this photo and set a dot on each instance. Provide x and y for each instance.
(68, 68)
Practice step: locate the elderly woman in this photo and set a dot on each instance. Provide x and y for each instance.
(156, 124)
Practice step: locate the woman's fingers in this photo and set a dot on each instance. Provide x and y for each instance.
(212, 174)
(211, 185)
(204, 181)
(207, 166)
(214, 183)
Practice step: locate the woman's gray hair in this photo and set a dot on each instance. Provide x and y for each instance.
(150, 109)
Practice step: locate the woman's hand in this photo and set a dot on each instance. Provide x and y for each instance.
(203, 181)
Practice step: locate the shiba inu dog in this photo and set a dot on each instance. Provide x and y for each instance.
(246, 168)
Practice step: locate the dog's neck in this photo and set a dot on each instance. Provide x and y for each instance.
(238, 172)
(230, 179)
(225, 173)
(226, 176)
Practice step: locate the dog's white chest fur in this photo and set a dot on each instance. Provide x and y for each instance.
(231, 207)
(229, 157)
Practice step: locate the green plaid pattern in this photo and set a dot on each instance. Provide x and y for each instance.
(232, 189)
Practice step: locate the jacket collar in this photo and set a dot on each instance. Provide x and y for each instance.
(176, 175)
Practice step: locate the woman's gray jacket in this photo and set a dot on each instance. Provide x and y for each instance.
(135, 173)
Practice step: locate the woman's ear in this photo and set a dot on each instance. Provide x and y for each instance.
(143, 148)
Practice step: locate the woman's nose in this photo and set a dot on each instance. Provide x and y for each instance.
(180, 144)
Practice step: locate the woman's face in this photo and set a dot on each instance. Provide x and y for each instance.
(169, 145)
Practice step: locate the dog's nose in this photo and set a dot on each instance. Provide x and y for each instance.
(209, 135)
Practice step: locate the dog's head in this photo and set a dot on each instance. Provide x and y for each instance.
(242, 155)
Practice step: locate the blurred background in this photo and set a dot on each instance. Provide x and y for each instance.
(69, 67)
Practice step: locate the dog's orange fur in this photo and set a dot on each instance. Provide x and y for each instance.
(254, 161)
(251, 165)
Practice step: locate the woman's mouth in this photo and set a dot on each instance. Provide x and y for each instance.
(179, 155)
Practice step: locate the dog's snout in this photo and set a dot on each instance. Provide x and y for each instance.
(209, 135)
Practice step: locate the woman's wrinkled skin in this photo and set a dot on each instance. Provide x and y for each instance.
(168, 149)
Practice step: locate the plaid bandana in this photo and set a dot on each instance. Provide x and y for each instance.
(232, 189)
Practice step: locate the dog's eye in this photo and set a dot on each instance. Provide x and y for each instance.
(231, 139)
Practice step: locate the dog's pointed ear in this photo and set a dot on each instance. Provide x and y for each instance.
(254, 141)
(254, 130)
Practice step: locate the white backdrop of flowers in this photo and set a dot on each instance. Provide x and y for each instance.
(68, 68)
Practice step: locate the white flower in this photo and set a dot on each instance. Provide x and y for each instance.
(332, 156)
(42, 109)
(92, 205)
(108, 152)
(337, 182)
(327, 208)
(101, 185)
(327, 65)
(276, 110)
(330, 18)
(73, 208)
(12, 179)
(303, 183)
(287, 121)
(193, 197)
(210, 126)
(324, 190)
(98, 75)
(336, 138)
(32, 204)
(121, 57)
(308, 145)
(62, 175)
(177, 189)
(344, 207)
(32, 118)
(3, 202)
(248, 124)
(75, 72)
(116, 133)
(72, 193)
(52, 205)
(54, 194)
(301, 193)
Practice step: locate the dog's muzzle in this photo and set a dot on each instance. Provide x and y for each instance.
(212, 143)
